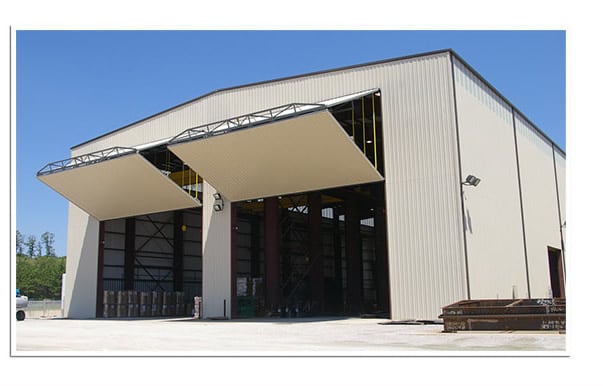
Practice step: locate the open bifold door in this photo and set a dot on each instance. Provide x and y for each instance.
(115, 183)
(287, 149)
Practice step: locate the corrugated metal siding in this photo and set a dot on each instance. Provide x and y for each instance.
(423, 205)
(539, 202)
(423, 209)
(493, 225)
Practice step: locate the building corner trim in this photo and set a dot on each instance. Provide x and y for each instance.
(458, 150)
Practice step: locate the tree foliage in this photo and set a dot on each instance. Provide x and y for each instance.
(40, 278)
(47, 243)
(19, 240)
(30, 246)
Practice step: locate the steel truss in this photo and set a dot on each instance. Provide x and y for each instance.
(86, 159)
(248, 120)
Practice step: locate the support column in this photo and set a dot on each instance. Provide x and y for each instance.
(381, 264)
(338, 256)
(178, 269)
(100, 270)
(82, 265)
(271, 253)
(316, 261)
(130, 253)
(353, 252)
(216, 244)
(255, 246)
(233, 259)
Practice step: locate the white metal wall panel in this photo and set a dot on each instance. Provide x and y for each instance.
(426, 262)
(81, 265)
(540, 203)
(492, 218)
(560, 165)
(216, 256)
(423, 201)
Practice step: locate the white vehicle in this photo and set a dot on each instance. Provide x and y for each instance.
(22, 303)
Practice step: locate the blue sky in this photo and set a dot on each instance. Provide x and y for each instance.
(72, 86)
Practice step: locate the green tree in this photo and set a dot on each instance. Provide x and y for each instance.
(47, 242)
(19, 241)
(40, 278)
(39, 248)
(25, 274)
(30, 244)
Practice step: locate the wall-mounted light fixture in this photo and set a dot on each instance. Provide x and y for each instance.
(218, 202)
(471, 180)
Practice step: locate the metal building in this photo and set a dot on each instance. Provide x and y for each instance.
(393, 187)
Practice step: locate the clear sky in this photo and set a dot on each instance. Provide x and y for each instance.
(72, 86)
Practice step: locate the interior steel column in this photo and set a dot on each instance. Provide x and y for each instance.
(381, 265)
(316, 261)
(353, 252)
(178, 269)
(130, 253)
(255, 246)
(233, 260)
(338, 256)
(271, 252)
(99, 272)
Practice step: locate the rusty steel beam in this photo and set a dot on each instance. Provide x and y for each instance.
(130, 253)
(178, 251)
(505, 314)
(316, 261)
(271, 252)
(234, 229)
(100, 270)
(353, 256)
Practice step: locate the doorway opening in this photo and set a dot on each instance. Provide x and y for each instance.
(556, 273)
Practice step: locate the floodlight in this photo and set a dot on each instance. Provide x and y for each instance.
(472, 180)
(218, 202)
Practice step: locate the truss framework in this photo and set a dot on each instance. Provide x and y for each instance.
(245, 121)
(86, 159)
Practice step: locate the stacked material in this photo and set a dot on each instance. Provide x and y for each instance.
(122, 304)
(109, 304)
(133, 307)
(156, 303)
(168, 304)
(198, 313)
(133, 304)
(144, 304)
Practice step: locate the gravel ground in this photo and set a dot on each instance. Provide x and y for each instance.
(268, 337)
